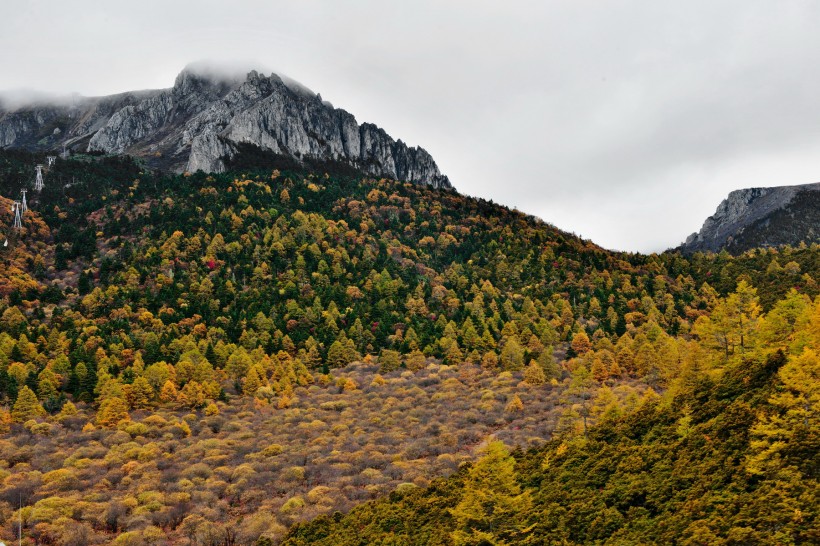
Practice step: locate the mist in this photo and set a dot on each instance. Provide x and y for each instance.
(225, 69)
(15, 99)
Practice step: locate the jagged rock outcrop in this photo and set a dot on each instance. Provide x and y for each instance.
(202, 120)
(760, 217)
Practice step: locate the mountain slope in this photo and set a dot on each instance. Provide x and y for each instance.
(760, 217)
(201, 120)
(215, 357)
(729, 457)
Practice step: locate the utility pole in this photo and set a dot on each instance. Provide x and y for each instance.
(18, 220)
(38, 182)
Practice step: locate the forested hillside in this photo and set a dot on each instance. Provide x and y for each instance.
(729, 455)
(208, 359)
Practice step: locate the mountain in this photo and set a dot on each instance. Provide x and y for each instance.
(205, 120)
(760, 217)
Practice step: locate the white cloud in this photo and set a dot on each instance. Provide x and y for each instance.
(624, 122)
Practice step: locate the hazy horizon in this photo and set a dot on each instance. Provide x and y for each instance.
(626, 125)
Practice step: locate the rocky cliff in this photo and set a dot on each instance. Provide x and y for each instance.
(202, 121)
(760, 217)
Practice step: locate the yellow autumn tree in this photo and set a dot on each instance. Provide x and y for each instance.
(581, 344)
(733, 325)
(68, 410)
(140, 394)
(776, 435)
(254, 379)
(515, 405)
(534, 374)
(169, 392)
(112, 412)
(492, 500)
(26, 406)
(5, 421)
(192, 395)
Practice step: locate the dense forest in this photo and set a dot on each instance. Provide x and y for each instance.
(211, 359)
(728, 455)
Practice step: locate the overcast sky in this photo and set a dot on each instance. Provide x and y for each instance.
(626, 122)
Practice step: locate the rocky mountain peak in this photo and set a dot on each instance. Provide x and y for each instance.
(755, 217)
(204, 119)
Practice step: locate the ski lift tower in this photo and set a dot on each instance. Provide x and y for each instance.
(23, 202)
(18, 220)
(38, 183)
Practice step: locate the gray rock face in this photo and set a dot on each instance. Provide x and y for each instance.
(198, 123)
(756, 217)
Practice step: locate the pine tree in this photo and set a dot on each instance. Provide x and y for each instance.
(780, 436)
(192, 395)
(492, 501)
(512, 355)
(47, 385)
(5, 421)
(88, 380)
(453, 356)
(534, 374)
(581, 344)
(253, 381)
(141, 394)
(112, 412)
(389, 361)
(26, 406)
(169, 393)
(210, 354)
(515, 405)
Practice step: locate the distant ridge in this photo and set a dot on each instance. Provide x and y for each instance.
(203, 121)
(760, 217)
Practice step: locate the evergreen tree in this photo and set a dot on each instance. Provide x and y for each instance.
(581, 344)
(415, 360)
(389, 360)
(5, 421)
(112, 411)
(453, 356)
(534, 374)
(512, 355)
(26, 406)
(141, 394)
(785, 436)
(491, 502)
(253, 381)
(47, 385)
(169, 392)
(514, 405)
